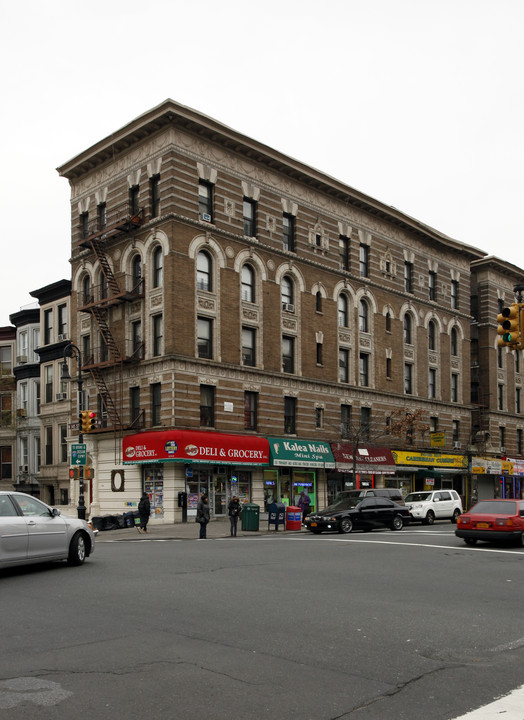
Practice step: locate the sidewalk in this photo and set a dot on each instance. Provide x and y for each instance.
(218, 528)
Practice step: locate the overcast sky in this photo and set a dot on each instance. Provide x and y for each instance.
(418, 103)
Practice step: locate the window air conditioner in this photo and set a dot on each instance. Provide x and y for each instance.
(23, 468)
(61, 396)
(206, 217)
(62, 336)
(21, 359)
(502, 450)
(288, 307)
(457, 445)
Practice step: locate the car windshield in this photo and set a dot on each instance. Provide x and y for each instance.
(494, 507)
(344, 503)
(418, 497)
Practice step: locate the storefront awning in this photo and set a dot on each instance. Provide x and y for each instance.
(377, 460)
(300, 453)
(433, 460)
(195, 446)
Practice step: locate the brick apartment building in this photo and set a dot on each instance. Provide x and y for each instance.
(245, 322)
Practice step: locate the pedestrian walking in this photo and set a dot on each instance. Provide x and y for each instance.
(304, 502)
(202, 515)
(234, 510)
(144, 510)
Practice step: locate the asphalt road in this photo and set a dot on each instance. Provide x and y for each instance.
(366, 626)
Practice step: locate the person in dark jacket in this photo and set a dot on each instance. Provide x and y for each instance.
(234, 510)
(144, 510)
(304, 502)
(202, 515)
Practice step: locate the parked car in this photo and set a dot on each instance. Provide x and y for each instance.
(357, 513)
(493, 520)
(431, 505)
(390, 493)
(32, 532)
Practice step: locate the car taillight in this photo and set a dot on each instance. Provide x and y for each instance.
(504, 522)
(463, 520)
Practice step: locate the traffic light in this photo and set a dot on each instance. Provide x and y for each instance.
(84, 421)
(509, 326)
(91, 421)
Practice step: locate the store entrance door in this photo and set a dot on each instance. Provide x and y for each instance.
(219, 485)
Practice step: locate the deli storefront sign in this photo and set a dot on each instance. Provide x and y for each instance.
(300, 453)
(194, 446)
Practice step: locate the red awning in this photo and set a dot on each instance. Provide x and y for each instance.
(195, 446)
(377, 460)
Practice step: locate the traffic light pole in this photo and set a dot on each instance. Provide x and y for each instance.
(71, 350)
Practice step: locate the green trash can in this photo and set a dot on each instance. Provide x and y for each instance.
(250, 516)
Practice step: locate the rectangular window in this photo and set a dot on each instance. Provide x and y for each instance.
(343, 252)
(345, 421)
(48, 327)
(62, 322)
(454, 294)
(84, 224)
(134, 205)
(365, 422)
(48, 375)
(158, 333)
(408, 378)
(455, 430)
(250, 217)
(205, 201)
(154, 189)
(207, 405)
(454, 387)
(364, 260)
(388, 368)
(136, 340)
(62, 429)
(363, 369)
(156, 403)
(432, 285)
(519, 442)
(432, 383)
(319, 353)
(101, 213)
(343, 365)
(517, 361)
(501, 397)
(288, 354)
(49, 445)
(134, 403)
(517, 401)
(290, 412)
(502, 433)
(37, 454)
(433, 424)
(288, 222)
(408, 277)
(250, 410)
(499, 358)
(6, 364)
(6, 462)
(319, 418)
(205, 337)
(248, 346)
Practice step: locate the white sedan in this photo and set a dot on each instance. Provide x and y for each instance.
(32, 532)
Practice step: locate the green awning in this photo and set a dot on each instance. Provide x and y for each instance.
(286, 452)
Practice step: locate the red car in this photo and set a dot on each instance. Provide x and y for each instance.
(493, 521)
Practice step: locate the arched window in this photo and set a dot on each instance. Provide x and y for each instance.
(318, 300)
(136, 272)
(204, 269)
(86, 290)
(363, 316)
(343, 311)
(431, 336)
(286, 290)
(248, 283)
(158, 268)
(388, 322)
(408, 334)
(454, 341)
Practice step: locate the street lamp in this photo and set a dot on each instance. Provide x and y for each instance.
(71, 350)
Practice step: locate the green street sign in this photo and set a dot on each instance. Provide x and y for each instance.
(78, 454)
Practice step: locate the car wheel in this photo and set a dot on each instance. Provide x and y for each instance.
(454, 517)
(346, 525)
(398, 523)
(520, 541)
(430, 518)
(470, 541)
(77, 549)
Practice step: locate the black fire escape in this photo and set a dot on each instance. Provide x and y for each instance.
(106, 358)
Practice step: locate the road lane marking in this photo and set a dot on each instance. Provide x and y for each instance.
(508, 707)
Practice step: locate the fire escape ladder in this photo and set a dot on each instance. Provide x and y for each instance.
(114, 289)
(105, 396)
(100, 317)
